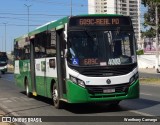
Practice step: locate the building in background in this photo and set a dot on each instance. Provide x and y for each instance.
(124, 7)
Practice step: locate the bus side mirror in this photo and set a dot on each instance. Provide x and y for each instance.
(52, 63)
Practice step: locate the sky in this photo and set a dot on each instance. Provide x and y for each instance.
(14, 15)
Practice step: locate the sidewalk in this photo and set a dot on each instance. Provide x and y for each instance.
(147, 70)
(149, 73)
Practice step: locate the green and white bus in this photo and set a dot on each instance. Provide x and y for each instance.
(79, 59)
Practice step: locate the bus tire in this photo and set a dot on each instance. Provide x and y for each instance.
(55, 97)
(27, 88)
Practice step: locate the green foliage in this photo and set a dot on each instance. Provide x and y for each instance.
(150, 2)
(140, 52)
(149, 18)
(148, 33)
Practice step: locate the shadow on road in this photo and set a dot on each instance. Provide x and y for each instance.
(40, 98)
(83, 108)
(89, 108)
(141, 103)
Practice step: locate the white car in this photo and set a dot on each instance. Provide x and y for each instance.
(158, 69)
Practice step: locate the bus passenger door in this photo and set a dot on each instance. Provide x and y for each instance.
(32, 66)
(40, 62)
(61, 69)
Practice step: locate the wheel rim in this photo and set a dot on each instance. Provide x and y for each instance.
(55, 95)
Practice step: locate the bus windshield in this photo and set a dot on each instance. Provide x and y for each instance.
(105, 47)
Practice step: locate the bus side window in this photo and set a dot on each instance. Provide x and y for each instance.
(40, 45)
(51, 44)
(20, 49)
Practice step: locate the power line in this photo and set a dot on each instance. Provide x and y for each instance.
(67, 4)
(28, 6)
(5, 35)
(22, 25)
(38, 14)
(141, 15)
(19, 19)
(57, 3)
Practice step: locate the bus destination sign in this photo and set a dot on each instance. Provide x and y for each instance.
(99, 21)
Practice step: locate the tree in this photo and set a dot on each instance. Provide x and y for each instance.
(150, 2)
(149, 17)
(149, 33)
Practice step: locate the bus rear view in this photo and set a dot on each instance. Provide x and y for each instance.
(101, 59)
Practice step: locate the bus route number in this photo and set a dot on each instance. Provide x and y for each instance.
(115, 61)
(90, 61)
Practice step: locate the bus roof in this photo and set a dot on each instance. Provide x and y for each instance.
(59, 24)
(51, 25)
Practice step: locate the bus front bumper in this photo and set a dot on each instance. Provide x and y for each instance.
(77, 94)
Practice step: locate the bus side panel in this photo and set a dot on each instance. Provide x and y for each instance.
(40, 76)
(18, 76)
(45, 75)
(45, 88)
(51, 76)
(22, 71)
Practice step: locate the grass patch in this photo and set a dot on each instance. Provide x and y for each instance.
(150, 80)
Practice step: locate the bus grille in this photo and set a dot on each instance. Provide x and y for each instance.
(99, 89)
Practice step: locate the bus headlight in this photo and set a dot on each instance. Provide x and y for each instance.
(73, 79)
(77, 81)
(81, 83)
(134, 78)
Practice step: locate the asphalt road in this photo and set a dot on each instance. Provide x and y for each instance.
(14, 102)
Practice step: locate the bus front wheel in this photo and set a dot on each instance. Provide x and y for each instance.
(57, 103)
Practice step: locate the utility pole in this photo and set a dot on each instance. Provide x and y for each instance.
(157, 45)
(28, 14)
(71, 7)
(5, 36)
(2, 44)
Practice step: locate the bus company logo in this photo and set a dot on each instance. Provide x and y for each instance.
(108, 81)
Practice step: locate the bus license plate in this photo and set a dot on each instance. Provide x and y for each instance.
(108, 90)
